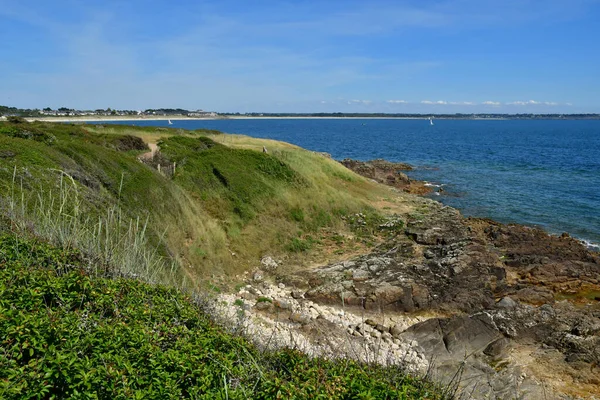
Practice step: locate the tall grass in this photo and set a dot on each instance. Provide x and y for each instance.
(113, 243)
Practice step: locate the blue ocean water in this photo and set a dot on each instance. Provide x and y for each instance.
(536, 172)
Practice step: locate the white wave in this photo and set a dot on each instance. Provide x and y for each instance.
(591, 245)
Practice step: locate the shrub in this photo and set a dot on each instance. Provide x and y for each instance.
(13, 119)
(298, 245)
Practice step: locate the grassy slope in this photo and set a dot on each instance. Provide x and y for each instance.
(227, 205)
(70, 326)
(67, 334)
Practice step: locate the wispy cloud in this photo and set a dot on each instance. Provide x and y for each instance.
(365, 102)
(397, 101)
(429, 102)
(491, 103)
(532, 103)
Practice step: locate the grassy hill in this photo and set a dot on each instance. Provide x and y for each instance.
(97, 251)
(225, 205)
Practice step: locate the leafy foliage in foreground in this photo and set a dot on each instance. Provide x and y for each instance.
(67, 334)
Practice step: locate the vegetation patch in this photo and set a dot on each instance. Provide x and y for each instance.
(228, 180)
(24, 131)
(69, 334)
(297, 244)
(129, 142)
(216, 206)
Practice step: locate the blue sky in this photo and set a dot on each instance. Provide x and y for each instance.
(303, 56)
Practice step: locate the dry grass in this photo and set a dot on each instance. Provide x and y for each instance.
(301, 224)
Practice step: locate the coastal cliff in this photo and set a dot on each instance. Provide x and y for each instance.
(289, 248)
(500, 311)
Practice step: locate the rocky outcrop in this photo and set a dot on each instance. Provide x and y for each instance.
(276, 316)
(506, 290)
(388, 173)
(430, 266)
(499, 311)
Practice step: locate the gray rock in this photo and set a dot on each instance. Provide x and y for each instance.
(371, 322)
(452, 338)
(253, 290)
(388, 337)
(263, 306)
(258, 276)
(248, 296)
(506, 302)
(396, 330)
(497, 348)
(268, 263)
(282, 304)
(359, 275)
(300, 318)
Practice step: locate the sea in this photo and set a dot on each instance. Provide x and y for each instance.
(543, 173)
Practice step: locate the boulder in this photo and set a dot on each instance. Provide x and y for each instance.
(268, 263)
(300, 318)
(506, 302)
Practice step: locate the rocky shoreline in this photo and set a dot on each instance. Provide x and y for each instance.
(388, 173)
(499, 311)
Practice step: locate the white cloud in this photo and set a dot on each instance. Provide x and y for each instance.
(532, 103)
(397, 101)
(461, 103)
(439, 102)
(491, 103)
(522, 103)
(366, 102)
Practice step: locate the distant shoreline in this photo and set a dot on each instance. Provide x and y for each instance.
(232, 117)
(117, 118)
(285, 117)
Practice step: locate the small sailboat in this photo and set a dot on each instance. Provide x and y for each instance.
(170, 123)
(430, 121)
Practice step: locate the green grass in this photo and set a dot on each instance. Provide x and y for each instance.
(229, 181)
(81, 216)
(69, 333)
(226, 205)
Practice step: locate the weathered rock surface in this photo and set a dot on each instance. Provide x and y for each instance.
(502, 311)
(502, 287)
(388, 173)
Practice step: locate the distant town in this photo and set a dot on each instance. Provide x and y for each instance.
(63, 112)
(109, 112)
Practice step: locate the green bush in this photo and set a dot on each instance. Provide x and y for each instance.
(23, 131)
(298, 245)
(69, 334)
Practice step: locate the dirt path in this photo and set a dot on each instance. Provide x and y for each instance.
(149, 155)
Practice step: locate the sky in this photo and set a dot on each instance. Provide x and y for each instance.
(422, 56)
